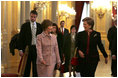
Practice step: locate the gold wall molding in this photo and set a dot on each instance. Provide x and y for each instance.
(102, 24)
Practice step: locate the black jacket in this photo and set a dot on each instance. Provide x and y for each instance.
(95, 40)
(25, 35)
(14, 43)
(66, 32)
(114, 44)
(60, 45)
(112, 38)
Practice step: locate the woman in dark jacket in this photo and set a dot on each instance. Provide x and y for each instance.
(59, 40)
(69, 50)
(87, 42)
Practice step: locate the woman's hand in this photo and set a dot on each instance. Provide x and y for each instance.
(43, 62)
(81, 54)
(106, 60)
(58, 65)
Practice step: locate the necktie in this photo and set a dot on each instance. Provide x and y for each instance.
(33, 35)
(62, 31)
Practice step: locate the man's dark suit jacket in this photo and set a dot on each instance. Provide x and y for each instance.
(112, 38)
(25, 36)
(66, 32)
(60, 44)
(114, 44)
(95, 40)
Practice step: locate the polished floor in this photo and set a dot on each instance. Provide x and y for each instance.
(103, 70)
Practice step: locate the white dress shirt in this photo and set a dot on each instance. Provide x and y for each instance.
(33, 33)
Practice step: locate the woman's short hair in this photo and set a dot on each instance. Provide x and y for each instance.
(46, 23)
(73, 26)
(89, 21)
(54, 24)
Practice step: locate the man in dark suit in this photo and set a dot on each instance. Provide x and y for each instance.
(27, 37)
(112, 38)
(64, 33)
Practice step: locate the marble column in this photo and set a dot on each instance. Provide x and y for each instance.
(54, 17)
(27, 10)
(7, 22)
(22, 13)
(4, 34)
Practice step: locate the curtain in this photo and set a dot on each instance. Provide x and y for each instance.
(79, 8)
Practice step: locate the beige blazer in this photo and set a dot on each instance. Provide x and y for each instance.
(47, 49)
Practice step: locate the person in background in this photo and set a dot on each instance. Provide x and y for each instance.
(56, 32)
(87, 42)
(47, 51)
(69, 50)
(64, 32)
(27, 37)
(112, 38)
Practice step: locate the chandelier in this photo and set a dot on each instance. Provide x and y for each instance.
(66, 11)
